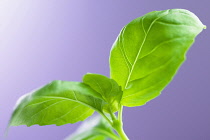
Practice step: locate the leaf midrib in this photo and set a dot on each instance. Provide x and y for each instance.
(74, 100)
(145, 37)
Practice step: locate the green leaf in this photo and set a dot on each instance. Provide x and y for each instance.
(59, 103)
(148, 52)
(108, 88)
(94, 128)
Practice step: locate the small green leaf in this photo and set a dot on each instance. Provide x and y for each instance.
(59, 102)
(148, 52)
(94, 128)
(108, 88)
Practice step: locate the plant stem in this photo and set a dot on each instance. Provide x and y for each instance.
(112, 115)
(105, 117)
(120, 113)
(119, 125)
(121, 133)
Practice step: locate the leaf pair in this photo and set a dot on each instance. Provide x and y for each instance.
(62, 102)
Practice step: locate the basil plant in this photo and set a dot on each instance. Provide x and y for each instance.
(143, 60)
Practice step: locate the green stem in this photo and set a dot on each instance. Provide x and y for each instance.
(119, 125)
(112, 115)
(121, 133)
(107, 119)
(120, 113)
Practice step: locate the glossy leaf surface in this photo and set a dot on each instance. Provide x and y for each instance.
(109, 89)
(94, 128)
(59, 103)
(148, 52)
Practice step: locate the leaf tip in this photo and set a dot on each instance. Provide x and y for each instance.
(204, 27)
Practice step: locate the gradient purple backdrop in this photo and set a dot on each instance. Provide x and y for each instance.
(45, 40)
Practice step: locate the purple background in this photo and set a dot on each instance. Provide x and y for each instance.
(45, 40)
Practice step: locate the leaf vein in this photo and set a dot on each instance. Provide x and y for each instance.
(128, 79)
(38, 103)
(66, 113)
(46, 108)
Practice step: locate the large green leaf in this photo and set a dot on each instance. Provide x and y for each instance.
(59, 102)
(94, 128)
(109, 89)
(148, 52)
